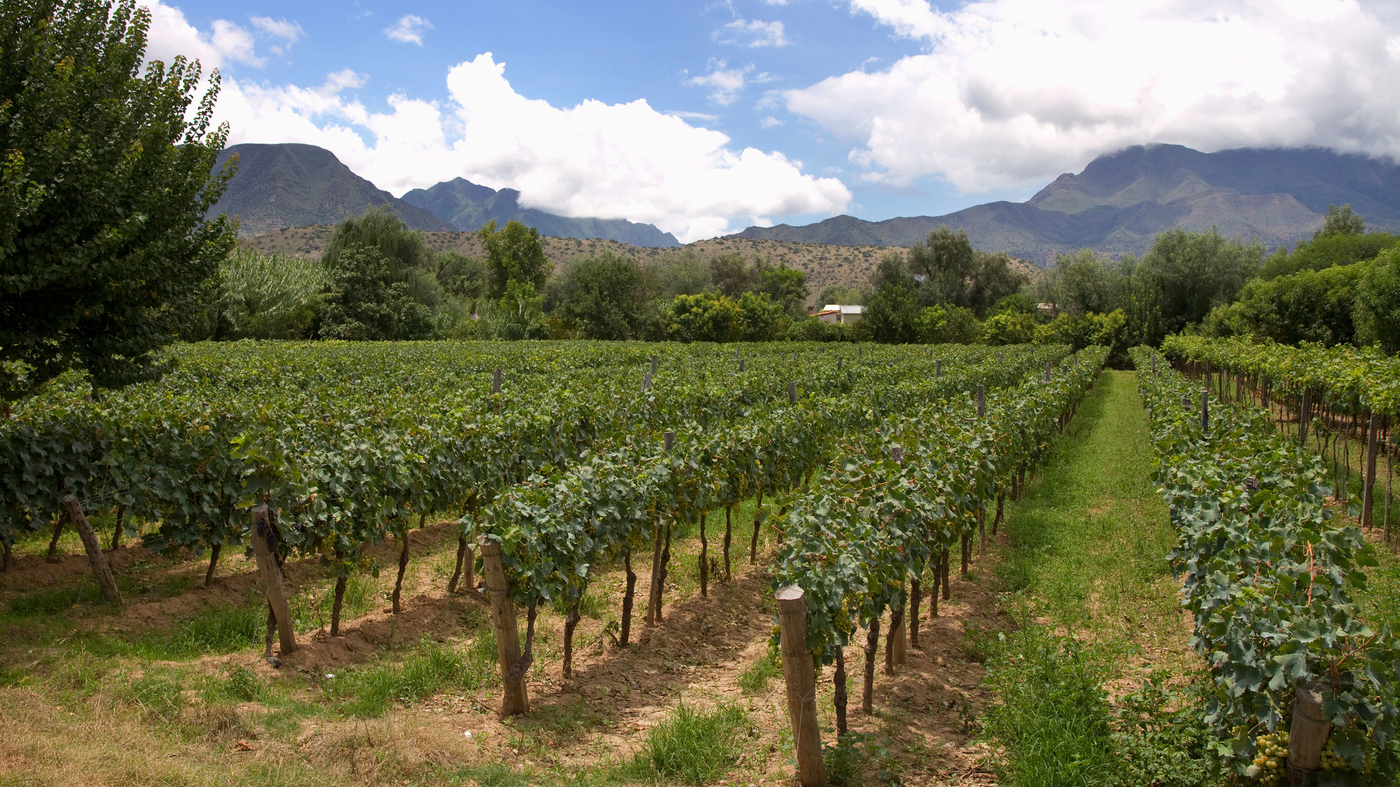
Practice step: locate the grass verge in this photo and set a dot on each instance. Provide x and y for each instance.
(1087, 575)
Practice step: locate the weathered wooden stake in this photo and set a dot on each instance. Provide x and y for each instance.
(894, 640)
(270, 574)
(646, 382)
(628, 598)
(96, 559)
(799, 672)
(1205, 411)
(1303, 417)
(515, 700)
(938, 368)
(916, 593)
(981, 400)
(1307, 736)
(741, 364)
(792, 392)
(653, 363)
(496, 380)
(872, 642)
(1372, 446)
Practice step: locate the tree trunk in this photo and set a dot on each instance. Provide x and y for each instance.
(728, 530)
(457, 572)
(753, 544)
(339, 594)
(1001, 504)
(704, 558)
(966, 553)
(665, 564)
(916, 592)
(872, 642)
(8, 558)
(403, 566)
(570, 623)
(53, 542)
(654, 592)
(213, 563)
(117, 531)
(839, 696)
(627, 599)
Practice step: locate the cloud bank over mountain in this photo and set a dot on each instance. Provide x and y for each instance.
(625, 160)
(1009, 93)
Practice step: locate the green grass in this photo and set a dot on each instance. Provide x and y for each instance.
(756, 677)
(692, 746)
(1087, 560)
(426, 670)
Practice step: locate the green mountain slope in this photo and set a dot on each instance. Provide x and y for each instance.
(1119, 203)
(292, 185)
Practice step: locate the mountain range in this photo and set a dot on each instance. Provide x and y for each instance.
(1119, 203)
(294, 185)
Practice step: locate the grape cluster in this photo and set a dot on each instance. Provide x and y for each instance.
(1332, 762)
(1271, 751)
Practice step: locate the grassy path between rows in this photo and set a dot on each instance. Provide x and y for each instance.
(1093, 686)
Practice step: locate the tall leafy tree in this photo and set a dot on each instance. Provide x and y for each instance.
(1340, 221)
(1186, 274)
(786, 287)
(947, 262)
(604, 295)
(106, 174)
(514, 253)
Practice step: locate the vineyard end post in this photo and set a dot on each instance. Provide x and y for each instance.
(96, 559)
(799, 672)
(1372, 447)
(653, 363)
(1307, 737)
(981, 400)
(792, 392)
(515, 700)
(271, 577)
(496, 380)
(938, 368)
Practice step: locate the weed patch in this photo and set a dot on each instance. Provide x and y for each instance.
(692, 746)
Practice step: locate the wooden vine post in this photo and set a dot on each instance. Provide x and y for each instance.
(96, 559)
(982, 515)
(263, 538)
(1205, 411)
(1307, 736)
(799, 672)
(1372, 447)
(661, 549)
(515, 700)
(895, 639)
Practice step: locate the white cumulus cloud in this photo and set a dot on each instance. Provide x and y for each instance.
(727, 83)
(409, 29)
(594, 159)
(1010, 92)
(752, 33)
(289, 32)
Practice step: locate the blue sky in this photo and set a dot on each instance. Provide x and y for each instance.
(704, 117)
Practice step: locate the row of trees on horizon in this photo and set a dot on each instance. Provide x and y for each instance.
(377, 281)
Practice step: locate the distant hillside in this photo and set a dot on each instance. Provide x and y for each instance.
(1121, 201)
(468, 207)
(849, 266)
(292, 185)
